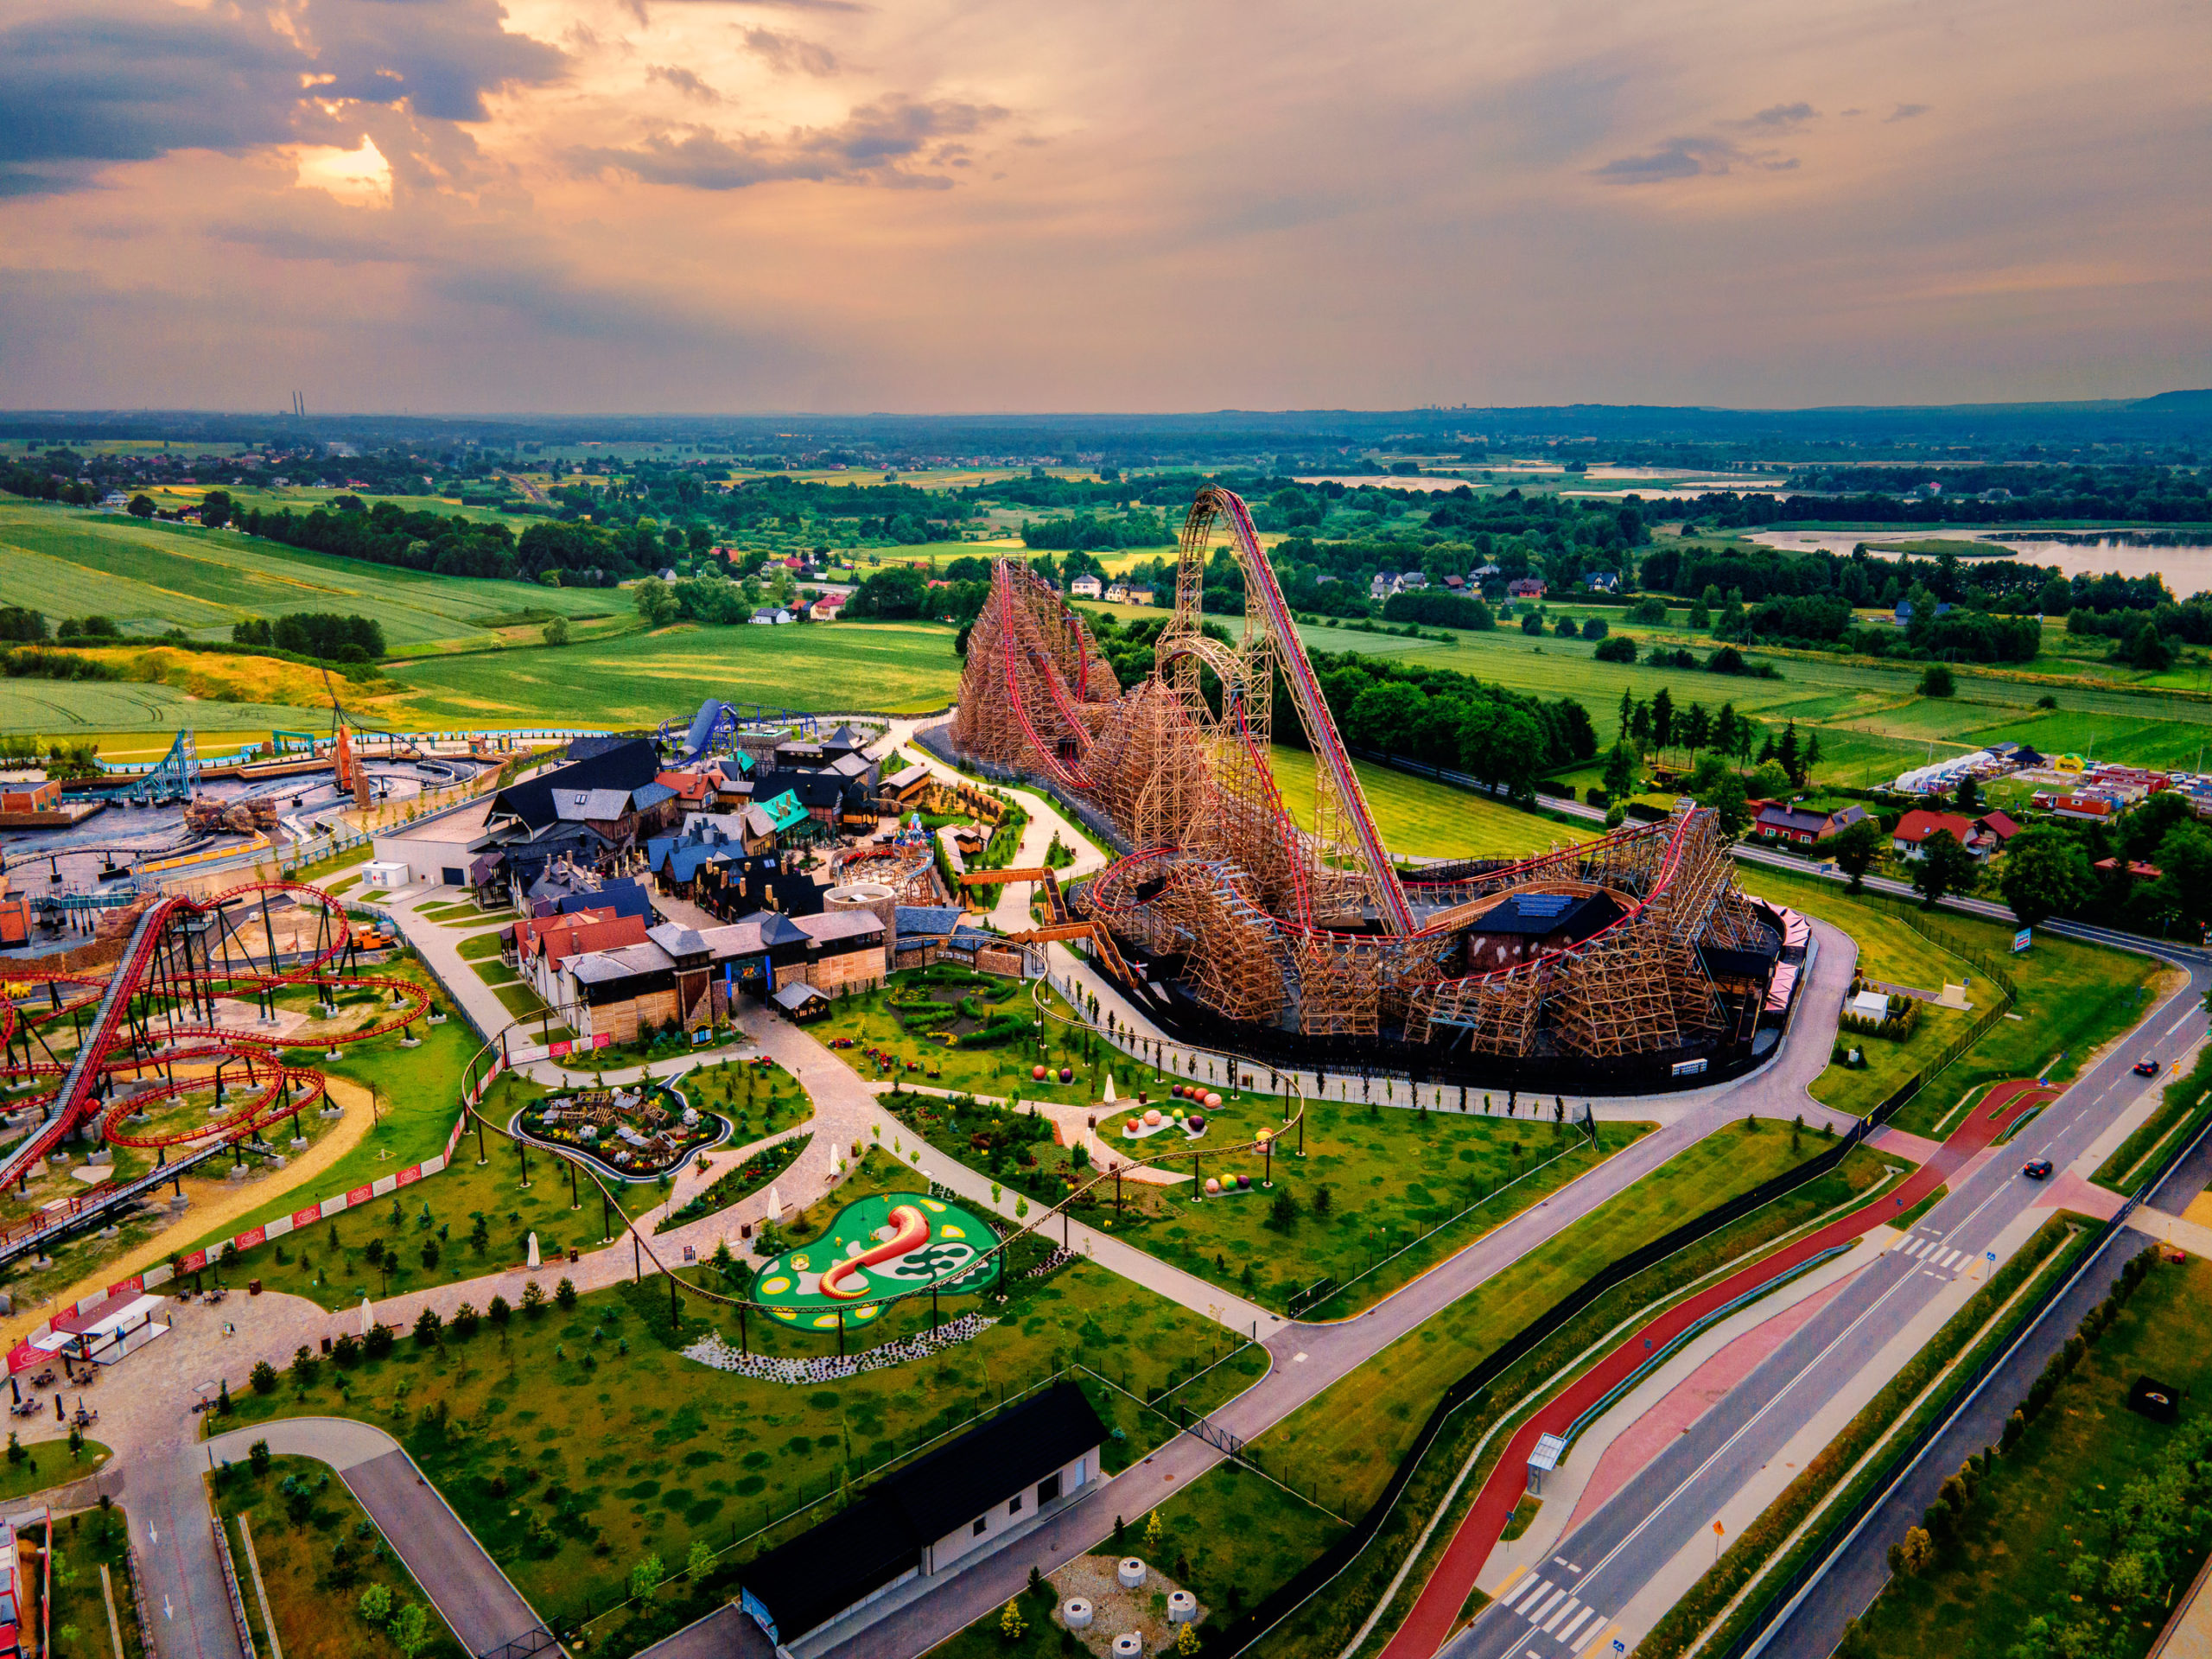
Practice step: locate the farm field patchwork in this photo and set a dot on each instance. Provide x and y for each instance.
(639, 679)
(153, 577)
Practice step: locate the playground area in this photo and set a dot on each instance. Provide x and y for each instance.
(886, 1244)
(632, 1135)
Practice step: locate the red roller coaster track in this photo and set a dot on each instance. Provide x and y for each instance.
(135, 1027)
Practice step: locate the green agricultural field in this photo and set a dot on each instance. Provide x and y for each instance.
(640, 679)
(1421, 818)
(66, 562)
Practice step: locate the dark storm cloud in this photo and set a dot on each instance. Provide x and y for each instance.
(881, 143)
(88, 87)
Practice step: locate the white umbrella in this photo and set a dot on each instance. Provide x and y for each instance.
(533, 1250)
(368, 1315)
(1110, 1088)
(775, 1202)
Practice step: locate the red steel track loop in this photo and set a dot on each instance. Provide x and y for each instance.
(108, 1047)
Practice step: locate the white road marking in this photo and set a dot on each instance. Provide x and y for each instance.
(1566, 1607)
(1566, 1636)
(2179, 1023)
(168, 1612)
(1521, 1595)
(1549, 1602)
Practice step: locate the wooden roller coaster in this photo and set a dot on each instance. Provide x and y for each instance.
(1224, 900)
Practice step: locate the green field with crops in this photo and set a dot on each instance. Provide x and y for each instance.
(639, 679)
(150, 578)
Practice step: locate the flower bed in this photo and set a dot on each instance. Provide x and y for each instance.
(632, 1135)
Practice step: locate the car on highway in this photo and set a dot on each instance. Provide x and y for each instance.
(2146, 1068)
(2036, 1169)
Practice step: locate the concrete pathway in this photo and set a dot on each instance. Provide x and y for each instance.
(478, 1602)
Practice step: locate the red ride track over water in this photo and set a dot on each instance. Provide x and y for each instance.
(1430, 1623)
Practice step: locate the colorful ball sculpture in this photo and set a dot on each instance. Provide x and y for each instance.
(1036, 1073)
(1197, 1122)
(1130, 1128)
(1067, 1074)
(1243, 1183)
(1152, 1116)
(1213, 1184)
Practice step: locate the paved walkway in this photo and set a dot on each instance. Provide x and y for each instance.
(477, 1600)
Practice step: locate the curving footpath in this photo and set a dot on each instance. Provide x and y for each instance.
(1436, 1609)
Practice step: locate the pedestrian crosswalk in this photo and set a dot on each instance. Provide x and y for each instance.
(1549, 1602)
(1933, 1252)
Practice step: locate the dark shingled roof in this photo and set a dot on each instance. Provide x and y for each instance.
(1539, 915)
(818, 1574)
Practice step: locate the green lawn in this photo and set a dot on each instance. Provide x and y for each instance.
(1343, 1445)
(1421, 818)
(617, 1447)
(1373, 1179)
(318, 1552)
(2074, 997)
(639, 679)
(872, 1023)
(1231, 1538)
(2046, 1515)
(49, 1463)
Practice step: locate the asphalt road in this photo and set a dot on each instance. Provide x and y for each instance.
(1604, 1563)
(1856, 1576)
(1305, 1359)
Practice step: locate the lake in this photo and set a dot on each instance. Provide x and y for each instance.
(2187, 570)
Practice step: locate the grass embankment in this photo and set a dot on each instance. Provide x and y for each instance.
(1343, 1446)
(576, 1441)
(2074, 998)
(2078, 1537)
(1373, 1181)
(2186, 1099)
(1326, 1622)
(84, 1544)
(319, 1554)
(2051, 1253)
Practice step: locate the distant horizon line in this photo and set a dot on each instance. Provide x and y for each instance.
(151, 411)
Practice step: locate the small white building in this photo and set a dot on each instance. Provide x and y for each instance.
(1085, 587)
(936, 1514)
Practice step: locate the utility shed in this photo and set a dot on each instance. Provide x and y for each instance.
(931, 1516)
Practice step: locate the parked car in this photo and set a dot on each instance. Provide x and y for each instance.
(2146, 1068)
(2036, 1169)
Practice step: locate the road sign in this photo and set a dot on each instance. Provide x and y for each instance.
(2022, 939)
(1991, 1255)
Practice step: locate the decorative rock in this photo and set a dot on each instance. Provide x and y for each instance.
(1075, 1615)
(1130, 1573)
(1182, 1607)
(1128, 1645)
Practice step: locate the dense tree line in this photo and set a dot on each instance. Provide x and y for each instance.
(1086, 533)
(323, 634)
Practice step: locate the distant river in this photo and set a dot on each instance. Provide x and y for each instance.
(2187, 569)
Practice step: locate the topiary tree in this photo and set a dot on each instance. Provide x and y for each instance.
(1011, 1624)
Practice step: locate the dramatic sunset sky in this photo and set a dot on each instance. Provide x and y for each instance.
(959, 205)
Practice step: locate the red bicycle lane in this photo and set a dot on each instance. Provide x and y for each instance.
(1429, 1623)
